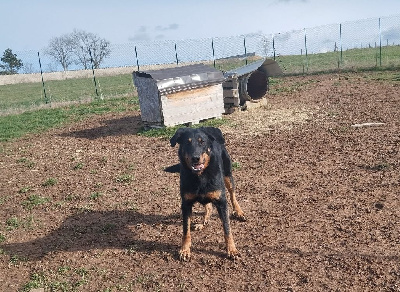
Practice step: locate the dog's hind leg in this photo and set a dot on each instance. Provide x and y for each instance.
(237, 211)
(207, 215)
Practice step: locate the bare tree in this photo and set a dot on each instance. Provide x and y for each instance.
(89, 46)
(61, 49)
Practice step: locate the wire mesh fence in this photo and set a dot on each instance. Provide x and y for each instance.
(352, 45)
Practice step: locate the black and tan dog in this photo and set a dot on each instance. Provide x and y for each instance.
(205, 170)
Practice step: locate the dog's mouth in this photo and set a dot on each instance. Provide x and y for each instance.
(197, 167)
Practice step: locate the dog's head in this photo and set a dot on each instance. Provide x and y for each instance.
(196, 146)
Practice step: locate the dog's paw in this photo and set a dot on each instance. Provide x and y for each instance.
(239, 216)
(184, 255)
(233, 254)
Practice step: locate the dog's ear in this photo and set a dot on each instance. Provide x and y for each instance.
(177, 138)
(214, 134)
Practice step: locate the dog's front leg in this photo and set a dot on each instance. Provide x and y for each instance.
(184, 253)
(222, 208)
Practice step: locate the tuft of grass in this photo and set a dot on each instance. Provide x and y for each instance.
(25, 161)
(13, 223)
(34, 201)
(95, 195)
(49, 182)
(78, 166)
(37, 280)
(2, 238)
(236, 165)
(124, 178)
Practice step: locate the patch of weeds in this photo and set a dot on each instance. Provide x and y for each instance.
(13, 223)
(381, 166)
(37, 280)
(95, 195)
(63, 270)
(2, 200)
(24, 190)
(15, 260)
(77, 166)
(148, 282)
(34, 201)
(26, 162)
(2, 238)
(49, 182)
(124, 178)
(236, 165)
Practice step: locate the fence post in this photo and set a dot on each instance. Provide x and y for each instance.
(176, 55)
(46, 100)
(305, 48)
(137, 60)
(273, 47)
(245, 49)
(213, 51)
(94, 76)
(380, 43)
(341, 46)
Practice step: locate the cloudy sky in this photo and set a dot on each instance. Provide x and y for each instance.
(30, 24)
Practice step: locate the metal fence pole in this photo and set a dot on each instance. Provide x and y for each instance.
(176, 55)
(273, 47)
(305, 48)
(46, 100)
(137, 60)
(94, 76)
(380, 43)
(245, 49)
(341, 46)
(213, 51)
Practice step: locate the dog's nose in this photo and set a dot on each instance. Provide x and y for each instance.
(195, 159)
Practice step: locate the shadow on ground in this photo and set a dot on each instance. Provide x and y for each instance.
(98, 230)
(114, 127)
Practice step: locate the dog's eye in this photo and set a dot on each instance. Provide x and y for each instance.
(201, 142)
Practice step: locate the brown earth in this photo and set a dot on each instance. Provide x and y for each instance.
(89, 207)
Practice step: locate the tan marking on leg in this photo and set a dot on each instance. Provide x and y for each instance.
(189, 196)
(215, 195)
(237, 211)
(208, 212)
(184, 253)
(207, 215)
(231, 248)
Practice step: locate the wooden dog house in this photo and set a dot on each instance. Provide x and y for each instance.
(179, 95)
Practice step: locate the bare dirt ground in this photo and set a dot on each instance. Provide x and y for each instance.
(89, 207)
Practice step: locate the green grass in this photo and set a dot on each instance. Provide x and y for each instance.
(17, 125)
(354, 59)
(34, 201)
(26, 96)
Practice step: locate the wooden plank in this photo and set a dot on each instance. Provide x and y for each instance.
(231, 83)
(232, 100)
(231, 93)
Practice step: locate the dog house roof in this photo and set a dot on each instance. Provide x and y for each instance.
(268, 66)
(183, 78)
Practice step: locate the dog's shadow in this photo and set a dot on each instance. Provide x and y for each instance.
(98, 230)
